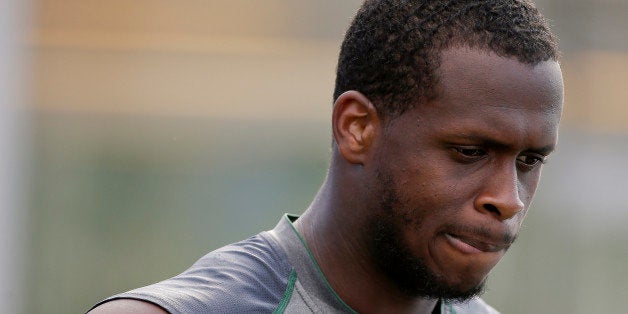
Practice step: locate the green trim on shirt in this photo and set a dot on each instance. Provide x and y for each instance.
(292, 218)
(445, 307)
(448, 308)
(288, 294)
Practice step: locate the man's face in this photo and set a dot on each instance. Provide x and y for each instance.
(456, 175)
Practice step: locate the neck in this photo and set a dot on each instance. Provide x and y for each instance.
(333, 228)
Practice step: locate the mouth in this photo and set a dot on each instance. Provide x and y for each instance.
(474, 245)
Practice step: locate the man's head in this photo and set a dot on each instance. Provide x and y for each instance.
(392, 48)
(445, 112)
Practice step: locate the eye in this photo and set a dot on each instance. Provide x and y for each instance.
(530, 161)
(470, 153)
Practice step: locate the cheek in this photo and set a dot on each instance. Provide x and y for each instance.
(430, 190)
(528, 182)
(427, 185)
(430, 205)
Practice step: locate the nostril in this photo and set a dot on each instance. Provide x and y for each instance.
(492, 208)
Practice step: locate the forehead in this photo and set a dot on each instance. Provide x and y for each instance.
(485, 78)
(483, 95)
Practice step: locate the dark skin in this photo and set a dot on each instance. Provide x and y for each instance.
(464, 168)
(469, 160)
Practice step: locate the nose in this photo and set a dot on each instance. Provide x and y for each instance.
(499, 196)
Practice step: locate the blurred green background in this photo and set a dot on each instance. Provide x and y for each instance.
(161, 130)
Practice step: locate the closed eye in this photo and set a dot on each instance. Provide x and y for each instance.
(530, 161)
(470, 153)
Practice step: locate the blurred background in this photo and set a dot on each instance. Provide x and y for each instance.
(135, 136)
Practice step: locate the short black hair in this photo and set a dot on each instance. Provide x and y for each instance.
(392, 48)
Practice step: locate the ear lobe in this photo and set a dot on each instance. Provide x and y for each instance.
(355, 125)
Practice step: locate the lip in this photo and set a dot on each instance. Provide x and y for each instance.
(473, 245)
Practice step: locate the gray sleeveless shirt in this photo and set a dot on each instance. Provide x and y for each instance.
(271, 272)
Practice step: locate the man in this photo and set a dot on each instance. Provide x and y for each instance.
(444, 114)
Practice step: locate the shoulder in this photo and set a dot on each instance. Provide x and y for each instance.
(247, 276)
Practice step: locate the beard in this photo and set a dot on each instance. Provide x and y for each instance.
(393, 257)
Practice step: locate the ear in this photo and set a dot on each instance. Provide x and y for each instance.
(355, 124)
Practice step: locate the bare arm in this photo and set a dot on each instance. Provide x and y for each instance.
(127, 306)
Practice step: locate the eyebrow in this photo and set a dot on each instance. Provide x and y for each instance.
(543, 150)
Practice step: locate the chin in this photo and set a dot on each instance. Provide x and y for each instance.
(414, 274)
(463, 289)
(411, 274)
